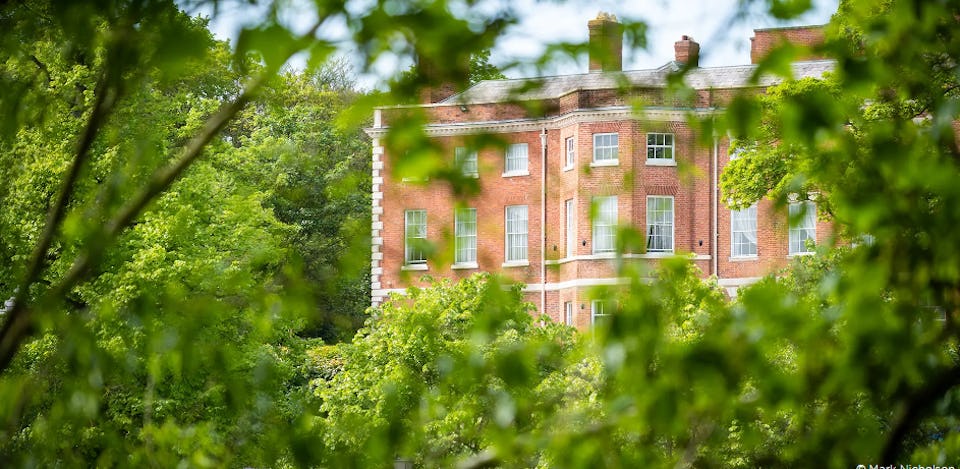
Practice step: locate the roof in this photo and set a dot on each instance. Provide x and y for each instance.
(737, 76)
(787, 28)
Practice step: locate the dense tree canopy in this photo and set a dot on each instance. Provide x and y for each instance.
(132, 366)
(180, 219)
(315, 174)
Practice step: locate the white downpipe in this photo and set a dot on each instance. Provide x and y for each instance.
(543, 220)
(714, 202)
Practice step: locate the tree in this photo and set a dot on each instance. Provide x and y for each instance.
(423, 74)
(148, 300)
(877, 140)
(851, 360)
(445, 374)
(134, 370)
(462, 374)
(105, 320)
(317, 174)
(481, 69)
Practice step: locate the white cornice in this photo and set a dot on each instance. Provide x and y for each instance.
(578, 283)
(580, 116)
(612, 256)
(588, 282)
(738, 281)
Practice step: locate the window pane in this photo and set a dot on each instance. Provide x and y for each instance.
(659, 146)
(516, 233)
(416, 236)
(802, 228)
(743, 232)
(598, 311)
(571, 229)
(606, 147)
(605, 224)
(659, 224)
(516, 158)
(466, 235)
(466, 161)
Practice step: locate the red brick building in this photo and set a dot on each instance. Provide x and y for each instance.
(582, 150)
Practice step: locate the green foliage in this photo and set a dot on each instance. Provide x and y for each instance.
(443, 374)
(776, 157)
(316, 172)
(134, 369)
(167, 333)
(424, 74)
(181, 347)
(481, 68)
(159, 298)
(876, 140)
(845, 360)
(462, 373)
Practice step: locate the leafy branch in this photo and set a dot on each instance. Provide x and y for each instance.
(17, 323)
(915, 408)
(20, 320)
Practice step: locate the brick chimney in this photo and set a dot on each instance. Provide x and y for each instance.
(687, 51)
(765, 40)
(437, 87)
(606, 43)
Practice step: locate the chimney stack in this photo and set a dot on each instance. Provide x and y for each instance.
(440, 84)
(766, 40)
(687, 51)
(606, 43)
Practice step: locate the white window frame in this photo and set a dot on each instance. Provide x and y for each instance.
(414, 228)
(466, 161)
(516, 160)
(465, 237)
(598, 310)
(806, 227)
(605, 224)
(570, 154)
(659, 150)
(571, 227)
(606, 149)
(658, 220)
(516, 234)
(743, 228)
(568, 313)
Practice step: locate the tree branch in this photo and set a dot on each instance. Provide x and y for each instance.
(43, 67)
(16, 323)
(484, 459)
(915, 409)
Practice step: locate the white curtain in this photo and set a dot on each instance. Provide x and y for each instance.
(743, 224)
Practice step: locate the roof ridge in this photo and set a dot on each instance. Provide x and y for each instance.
(724, 76)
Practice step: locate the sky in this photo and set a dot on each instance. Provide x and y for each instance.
(724, 38)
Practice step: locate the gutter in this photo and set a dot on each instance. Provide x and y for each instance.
(543, 220)
(715, 200)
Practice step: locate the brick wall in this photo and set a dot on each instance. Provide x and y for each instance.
(765, 40)
(772, 237)
(572, 276)
(632, 179)
(437, 198)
